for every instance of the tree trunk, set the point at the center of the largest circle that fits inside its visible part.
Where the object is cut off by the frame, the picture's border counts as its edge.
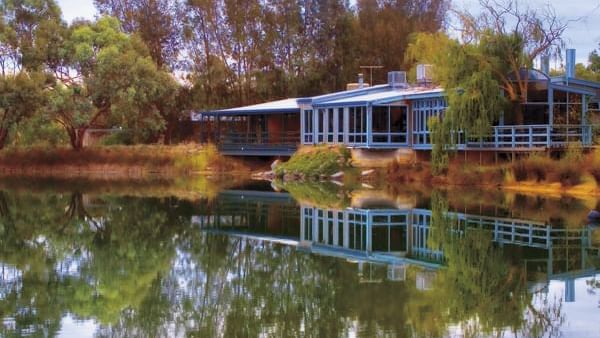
(168, 134)
(3, 137)
(76, 137)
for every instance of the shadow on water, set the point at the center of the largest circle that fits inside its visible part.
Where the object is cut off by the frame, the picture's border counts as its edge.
(243, 260)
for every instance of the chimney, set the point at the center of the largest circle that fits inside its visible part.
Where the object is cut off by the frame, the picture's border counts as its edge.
(424, 74)
(397, 79)
(570, 67)
(361, 81)
(545, 64)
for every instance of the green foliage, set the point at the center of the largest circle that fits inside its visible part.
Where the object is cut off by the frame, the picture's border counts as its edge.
(20, 97)
(121, 85)
(440, 142)
(317, 161)
(40, 130)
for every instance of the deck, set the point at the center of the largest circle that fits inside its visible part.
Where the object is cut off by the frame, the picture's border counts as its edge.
(520, 138)
(259, 144)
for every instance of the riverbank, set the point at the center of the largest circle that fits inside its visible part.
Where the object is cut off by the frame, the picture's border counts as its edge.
(117, 162)
(573, 173)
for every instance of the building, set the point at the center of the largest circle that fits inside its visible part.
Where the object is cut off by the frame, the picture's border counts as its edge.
(559, 111)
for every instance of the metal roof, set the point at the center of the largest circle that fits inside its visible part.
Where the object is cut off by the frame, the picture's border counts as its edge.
(273, 107)
(384, 97)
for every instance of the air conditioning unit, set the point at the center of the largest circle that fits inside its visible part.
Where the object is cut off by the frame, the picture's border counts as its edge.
(397, 79)
(424, 74)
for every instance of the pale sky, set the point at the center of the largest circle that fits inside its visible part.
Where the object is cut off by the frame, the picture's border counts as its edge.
(583, 35)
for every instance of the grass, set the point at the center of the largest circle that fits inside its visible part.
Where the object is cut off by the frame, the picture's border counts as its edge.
(181, 158)
(313, 162)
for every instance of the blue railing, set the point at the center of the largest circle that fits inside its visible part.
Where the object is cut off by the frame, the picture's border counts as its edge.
(535, 136)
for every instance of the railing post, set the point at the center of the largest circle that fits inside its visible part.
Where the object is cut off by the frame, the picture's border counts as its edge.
(548, 136)
(512, 140)
(495, 137)
(530, 137)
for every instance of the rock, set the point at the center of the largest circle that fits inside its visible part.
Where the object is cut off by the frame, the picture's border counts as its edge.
(269, 175)
(367, 172)
(275, 164)
(367, 186)
(264, 175)
(338, 175)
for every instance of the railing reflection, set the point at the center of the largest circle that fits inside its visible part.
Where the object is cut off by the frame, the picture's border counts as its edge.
(397, 238)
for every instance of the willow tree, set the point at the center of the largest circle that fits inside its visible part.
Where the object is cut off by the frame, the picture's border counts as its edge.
(485, 72)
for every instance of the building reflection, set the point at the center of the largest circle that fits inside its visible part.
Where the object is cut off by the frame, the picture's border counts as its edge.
(384, 242)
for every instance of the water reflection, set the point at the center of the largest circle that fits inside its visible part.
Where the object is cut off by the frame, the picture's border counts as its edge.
(246, 263)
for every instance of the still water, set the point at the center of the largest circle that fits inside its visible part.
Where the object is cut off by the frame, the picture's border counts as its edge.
(249, 260)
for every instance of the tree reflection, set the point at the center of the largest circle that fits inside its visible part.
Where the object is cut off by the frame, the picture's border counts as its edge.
(140, 267)
(483, 288)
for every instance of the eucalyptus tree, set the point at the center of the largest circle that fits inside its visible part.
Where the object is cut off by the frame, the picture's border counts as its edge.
(21, 96)
(384, 29)
(28, 32)
(157, 22)
(107, 78)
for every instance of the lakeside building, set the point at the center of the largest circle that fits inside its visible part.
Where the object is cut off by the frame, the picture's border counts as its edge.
(559, 111)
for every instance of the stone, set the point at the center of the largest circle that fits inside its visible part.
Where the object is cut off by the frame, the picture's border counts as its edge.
(275, 164)
(367, 172)
(338, 175)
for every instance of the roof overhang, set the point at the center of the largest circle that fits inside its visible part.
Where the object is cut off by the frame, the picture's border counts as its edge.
(287, 106)
(571, 89)
(580, 82)
(238, 112)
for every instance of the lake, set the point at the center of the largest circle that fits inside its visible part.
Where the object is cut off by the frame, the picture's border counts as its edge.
(252, 259)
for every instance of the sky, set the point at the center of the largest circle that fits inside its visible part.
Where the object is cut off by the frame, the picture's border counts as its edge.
(583, 34)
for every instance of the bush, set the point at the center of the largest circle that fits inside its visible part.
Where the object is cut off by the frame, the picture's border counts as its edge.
(316, 161)
(567, 173)
(535, 167)
(594, 165)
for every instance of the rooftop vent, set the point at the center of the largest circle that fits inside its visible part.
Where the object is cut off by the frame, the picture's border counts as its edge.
(424, 74)
(570, 67)
(397, 79)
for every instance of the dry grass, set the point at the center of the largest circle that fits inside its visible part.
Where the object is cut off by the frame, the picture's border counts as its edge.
(180, 159)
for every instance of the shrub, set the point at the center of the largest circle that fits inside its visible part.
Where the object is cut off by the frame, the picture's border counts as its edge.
(567, 173)
(520, 171)
(594, 165)
(535, 167)
(316, 161)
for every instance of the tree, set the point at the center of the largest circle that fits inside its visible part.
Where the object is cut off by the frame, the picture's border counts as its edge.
(28, 30)
(106, 78)
(513, 37)
(489, 68)
(592, 70)
(157, 22)
(385, 28)
(21, 96)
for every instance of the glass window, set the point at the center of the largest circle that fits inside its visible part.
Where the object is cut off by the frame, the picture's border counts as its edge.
(381, 119)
